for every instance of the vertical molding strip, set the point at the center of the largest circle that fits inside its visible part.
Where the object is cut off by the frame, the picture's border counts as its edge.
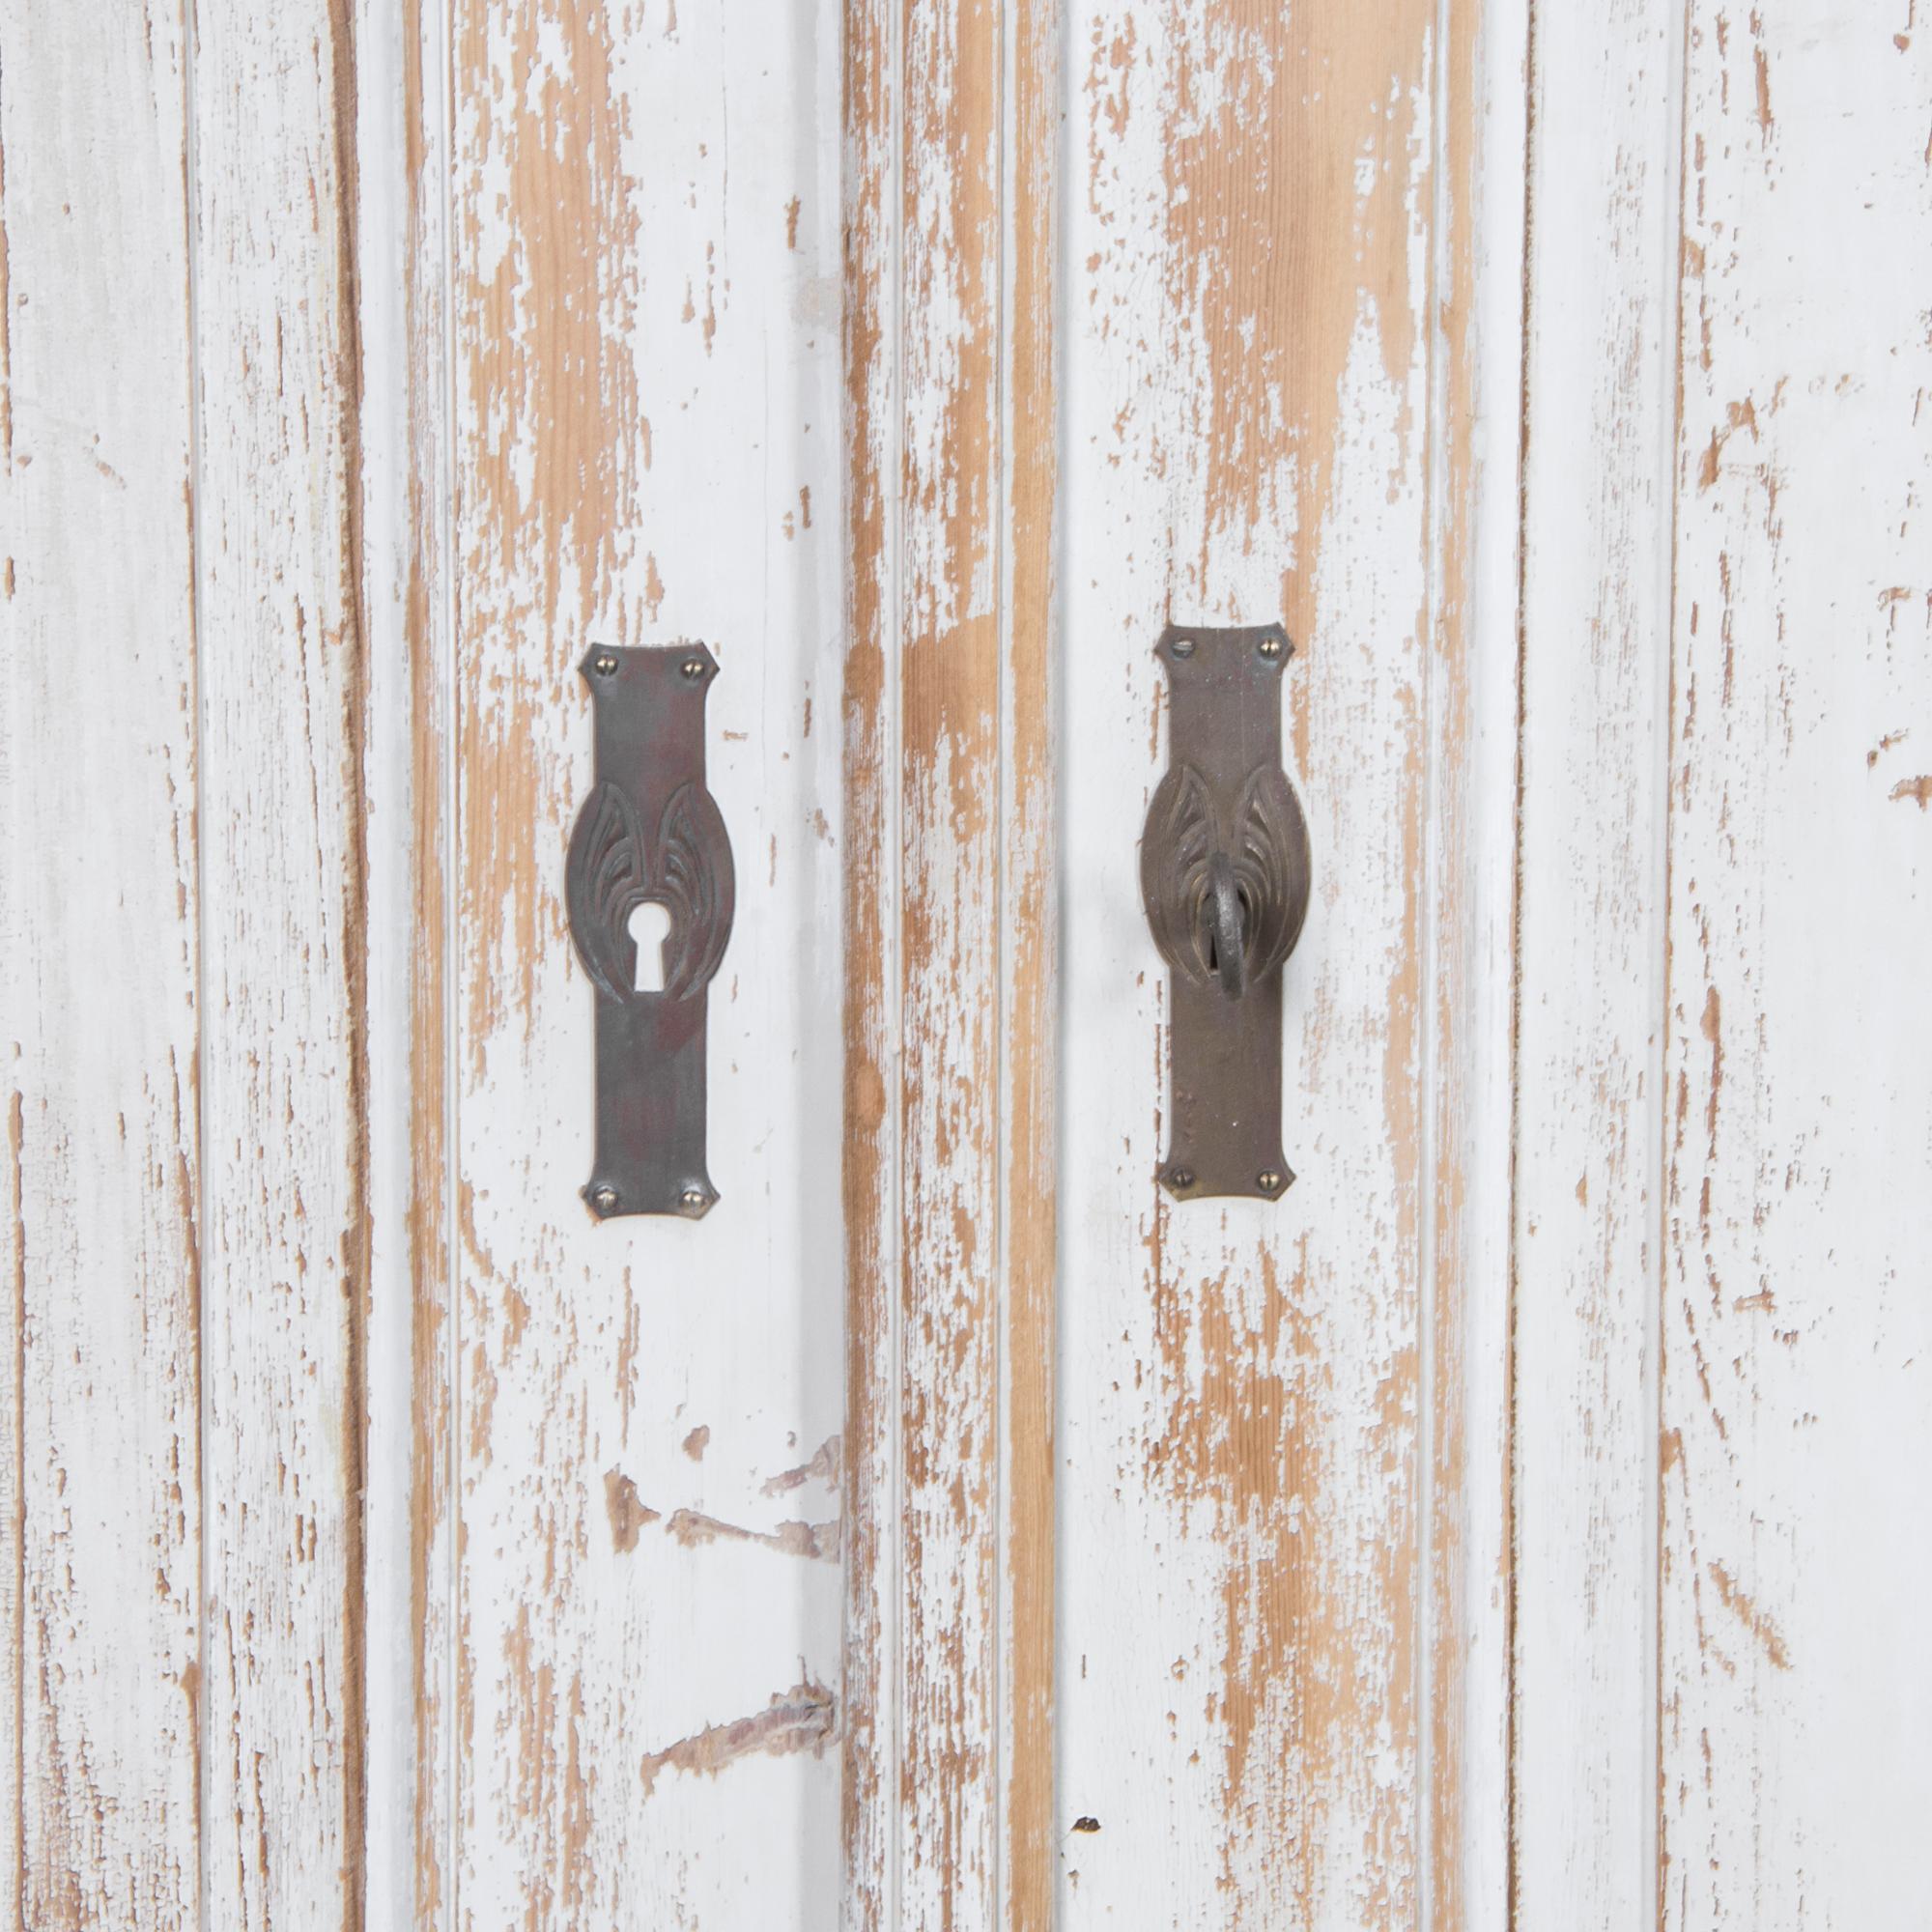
(869, 1696)
(1475, 403)
(1600, 268)
(284, 827)
(1028, 953)
(951, 130)
(407, 767)
(947, 632)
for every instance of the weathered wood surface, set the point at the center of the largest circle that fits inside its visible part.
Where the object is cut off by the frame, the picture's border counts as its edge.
(1601, 408)
(1266, 1668)
(1481, 109)
(102, 1678)
(402, 167)
(284, 1051)
(1722, 1078)
(1514, 1523)
(949, 1178)
(1794, 1686)
(644, 323)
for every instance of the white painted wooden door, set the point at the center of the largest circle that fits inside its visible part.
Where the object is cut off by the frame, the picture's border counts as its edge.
(1517, 1525)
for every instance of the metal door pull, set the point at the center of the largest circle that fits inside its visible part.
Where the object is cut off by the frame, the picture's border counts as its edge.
(1225, 882)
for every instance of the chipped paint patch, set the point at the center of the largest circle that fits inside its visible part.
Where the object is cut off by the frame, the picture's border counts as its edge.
(804, 1718)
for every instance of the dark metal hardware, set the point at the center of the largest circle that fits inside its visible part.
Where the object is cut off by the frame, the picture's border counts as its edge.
(649, 833)
(1225, 882)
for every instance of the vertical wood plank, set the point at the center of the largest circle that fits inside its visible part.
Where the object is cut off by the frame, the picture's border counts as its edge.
(951, 118)
(1480, 115)
(946, 628)
(100, 1392)
(429, 630)
(645, 317)
(285, 1058)
(1255, 429)
(1596, 589)
(1797, 1327)
(871, 326)
(1027, 945)
(402, 178)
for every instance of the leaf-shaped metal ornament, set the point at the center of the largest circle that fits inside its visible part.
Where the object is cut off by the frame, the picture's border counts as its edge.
(605, 880)
(1175, 851)
(1224, 884)
(648, 712)
(696, 881)
(1269, 848)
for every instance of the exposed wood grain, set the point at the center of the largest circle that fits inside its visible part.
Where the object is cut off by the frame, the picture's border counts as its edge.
(869, 1178)
(408, 774)
(285, 883)
(1797, 1327)
(1266, 373)
(1513, 1523)
(429, 584)
(951, 121)
(1595, 625)
(945, 627)
(645, 317)
(1028, 949)
(1469, 881)
(99, 1171)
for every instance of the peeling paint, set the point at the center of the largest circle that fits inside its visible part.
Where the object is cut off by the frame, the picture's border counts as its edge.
(804, 1718)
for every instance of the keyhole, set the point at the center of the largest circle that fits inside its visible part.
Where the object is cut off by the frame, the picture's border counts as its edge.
(650, 927)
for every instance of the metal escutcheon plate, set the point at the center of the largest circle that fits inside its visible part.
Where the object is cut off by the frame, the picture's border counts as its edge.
(651, 833)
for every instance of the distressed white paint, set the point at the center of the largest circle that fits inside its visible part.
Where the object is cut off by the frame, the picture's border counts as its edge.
(648, 450)
(1470, 888)
(418, 1702)
(281, 815)
(1599, 380)
(100, 1437)
(1796, 1688)
(1240, 1531)
(409, 1750)
(1722, 1130)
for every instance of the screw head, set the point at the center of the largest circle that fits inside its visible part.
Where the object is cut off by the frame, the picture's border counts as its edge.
(604, 662)
(695, 1201)
(692, 667)
(1268, 1181)
(604, 1200)
(1183, 647)
(1180, 1178)
(1270, 648)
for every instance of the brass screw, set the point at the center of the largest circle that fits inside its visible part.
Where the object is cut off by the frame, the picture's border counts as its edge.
(693, 666)
(1180, 1176)
(1183, 647)
(605, 1200)
(1271, 648)
(695, 1198)
(604, 663)
(1269, 1180)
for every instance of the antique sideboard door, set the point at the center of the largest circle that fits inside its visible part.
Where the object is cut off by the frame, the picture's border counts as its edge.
(963, 965)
